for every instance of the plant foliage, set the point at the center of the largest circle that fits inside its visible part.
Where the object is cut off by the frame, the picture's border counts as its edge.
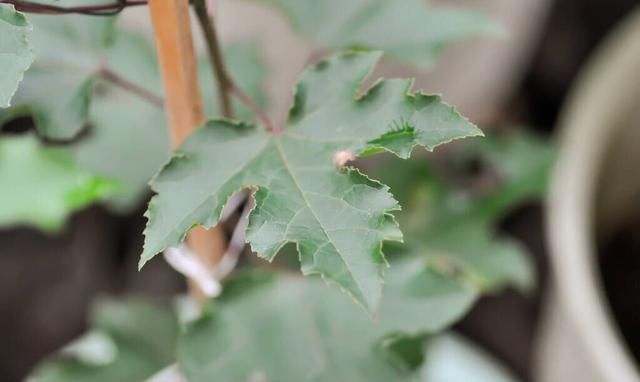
(97, 87)
(302, 195)
(42, 186)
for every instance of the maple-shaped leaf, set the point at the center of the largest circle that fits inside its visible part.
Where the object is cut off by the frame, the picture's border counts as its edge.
(290, 329)
(409, 30)
(337, 217)
(130, 340)
(16, 54)
(41, 186)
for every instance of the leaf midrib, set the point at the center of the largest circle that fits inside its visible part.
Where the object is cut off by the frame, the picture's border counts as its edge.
(285, 162)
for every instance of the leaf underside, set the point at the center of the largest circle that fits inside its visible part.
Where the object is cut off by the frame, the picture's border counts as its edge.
(16, 54)
(337, 217)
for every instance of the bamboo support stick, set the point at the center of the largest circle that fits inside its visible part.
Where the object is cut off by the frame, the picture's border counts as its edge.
(176, 55)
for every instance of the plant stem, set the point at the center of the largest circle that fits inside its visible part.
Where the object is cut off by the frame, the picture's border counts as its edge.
(225, 84)
(261, 115)
(107, 9)
(132, 88)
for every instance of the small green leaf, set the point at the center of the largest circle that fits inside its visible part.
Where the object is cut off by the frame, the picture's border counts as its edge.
(408, 30)
(522, 163)
(453, 226)
(291, 329)
(42, 186)
(338, 218)
(130, 341)
(471, 254)
(57, 89)
(16, 54)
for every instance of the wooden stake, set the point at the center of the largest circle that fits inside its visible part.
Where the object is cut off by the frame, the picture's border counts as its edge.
(176, 54)
(174, 42)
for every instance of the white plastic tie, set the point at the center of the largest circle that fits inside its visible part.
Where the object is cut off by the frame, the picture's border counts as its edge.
(186, 262)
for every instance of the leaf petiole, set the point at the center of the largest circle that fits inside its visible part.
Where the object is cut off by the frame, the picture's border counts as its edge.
(121, 82)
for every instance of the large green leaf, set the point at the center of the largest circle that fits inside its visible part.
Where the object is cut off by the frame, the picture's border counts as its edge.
(42, 186)
(57, 89)
(289, 329)
(454, 226)
(338, 217)
(408, 30)
(130, 341)
(16, 54)
(318, 336)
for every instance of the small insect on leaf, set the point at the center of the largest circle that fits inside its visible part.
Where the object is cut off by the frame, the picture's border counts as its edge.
(342, 157)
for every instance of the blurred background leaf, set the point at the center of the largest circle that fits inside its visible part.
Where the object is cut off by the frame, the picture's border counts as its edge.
(56, 91)
(130, 340)
(307, 331)
(408, 30)
(42, 186)
(452, 204)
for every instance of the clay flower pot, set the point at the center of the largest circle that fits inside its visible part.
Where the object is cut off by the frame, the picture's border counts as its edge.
(595, 191)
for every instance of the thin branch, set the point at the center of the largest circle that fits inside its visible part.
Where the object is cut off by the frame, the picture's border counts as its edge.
(225, 85)
(107, 9)
(257, 110)
(132, 88)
